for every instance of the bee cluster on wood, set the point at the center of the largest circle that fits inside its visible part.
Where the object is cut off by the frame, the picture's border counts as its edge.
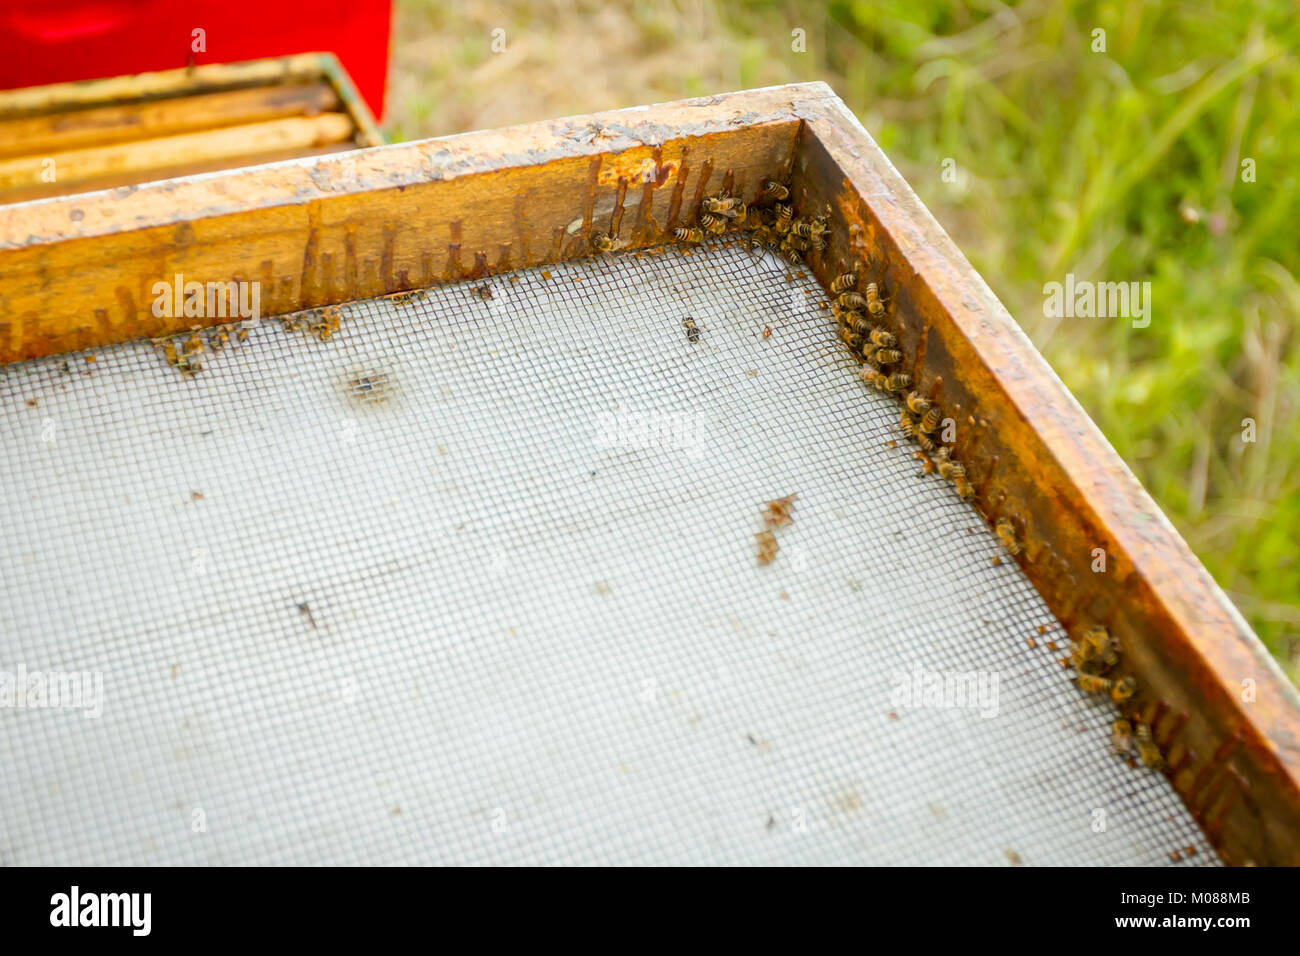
(1094, 655)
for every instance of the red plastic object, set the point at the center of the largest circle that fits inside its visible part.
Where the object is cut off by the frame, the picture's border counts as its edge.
(50, 41)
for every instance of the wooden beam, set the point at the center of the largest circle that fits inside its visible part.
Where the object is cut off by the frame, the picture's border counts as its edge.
(44, 134)
(78, 271)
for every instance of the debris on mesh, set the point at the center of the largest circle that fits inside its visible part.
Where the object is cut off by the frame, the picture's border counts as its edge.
(767, 547)
(777, 513)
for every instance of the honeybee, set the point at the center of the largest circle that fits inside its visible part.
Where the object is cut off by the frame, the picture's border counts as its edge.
(712, 223)
(1007, 535)
(882, 338)
(722, 204)
(767, 547)
(874, 303)
(861, 324)
(845, 282)
(851, 300)
(889, 357)
(774, 190)
(777, 513)
(916, 403)
(792, 255)
(795, 242)
(949, 469)
(1094, 684)
(965, 490)
(602, 243)
(1121, 737)
(692, 330)
(807, 230)
(1124, 689)
(898, 382)
(1101, 645)
(908, 424)
(846, 314)
(784, 217)
(682, 234)
(873, 377)
(850, 338)
(761, 237)
(931, 421)
(1147, 748)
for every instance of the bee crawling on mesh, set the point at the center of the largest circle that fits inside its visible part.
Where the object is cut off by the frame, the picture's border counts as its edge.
(1006, 532)
(715, 225)
(873, 377)
(693, 235)
(898, 382)
(760, 238)
(948, 469)
(911, 429)
(1120, 691)
(1121, 737)
(602, 242)
(931, 420)
(1147, 749)
(692, 330)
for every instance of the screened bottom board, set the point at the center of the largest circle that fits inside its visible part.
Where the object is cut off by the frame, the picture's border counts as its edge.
(406, 596)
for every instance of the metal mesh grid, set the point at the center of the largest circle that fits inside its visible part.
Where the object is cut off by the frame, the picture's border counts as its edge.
(403, 596)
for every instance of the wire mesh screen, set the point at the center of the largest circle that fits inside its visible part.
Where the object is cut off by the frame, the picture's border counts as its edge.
(476, 580)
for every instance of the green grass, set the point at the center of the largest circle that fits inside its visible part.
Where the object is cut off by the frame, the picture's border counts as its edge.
(1116, 166)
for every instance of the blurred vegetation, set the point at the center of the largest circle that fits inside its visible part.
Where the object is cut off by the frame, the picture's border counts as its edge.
(1117, 166)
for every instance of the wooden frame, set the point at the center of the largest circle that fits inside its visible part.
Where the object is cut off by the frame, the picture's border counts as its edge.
(76, 272)
(123, 130)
